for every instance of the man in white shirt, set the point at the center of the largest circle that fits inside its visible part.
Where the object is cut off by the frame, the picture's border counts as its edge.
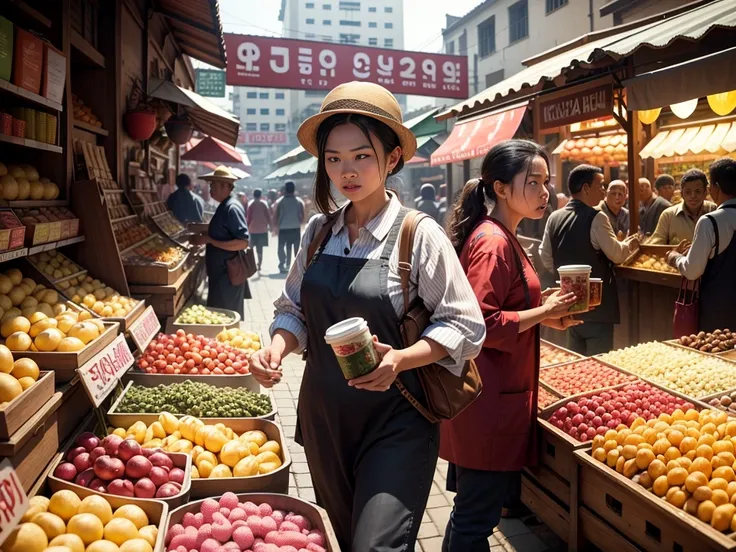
(613, 207)
(580, 234)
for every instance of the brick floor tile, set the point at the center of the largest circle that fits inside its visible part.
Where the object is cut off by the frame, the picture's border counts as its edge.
(428, 530)
(525, 543)
(432, 545)
(437, 501)
(440, 516)
(511, 528)
(299, 467)
(435, 490)
(303, 480)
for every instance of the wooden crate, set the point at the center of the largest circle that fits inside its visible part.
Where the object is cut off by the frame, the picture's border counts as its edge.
(595, 531)
(545, 507)
(316, 515)
(17, 412)
(207, 330)
(32, 447)
(120, 419)
(647, 275)
(75, 406)
(152, 380)
(575, 356)
(649, 522)
(561, 393)
(154, 275)
(169, 300)
(552, 483)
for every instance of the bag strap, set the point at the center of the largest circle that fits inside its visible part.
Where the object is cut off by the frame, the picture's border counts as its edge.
(406, 245)
(321, 237)
(715, 231)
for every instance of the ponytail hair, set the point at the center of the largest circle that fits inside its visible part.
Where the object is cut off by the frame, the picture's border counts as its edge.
(502, 162)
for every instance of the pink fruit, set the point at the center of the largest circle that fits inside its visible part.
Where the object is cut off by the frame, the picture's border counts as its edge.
(287, 538)
(187, 540)
(175, 530)
(222, 529)
(98, 485)
(229, 500)
(111, 444)
(85, 478)
(232, 546)
(198, 520)
(96, 453)
(167, 490)
(316, 537)
(265, 509)
(251, 509)
(87, 440)
(128, 449)
(162, 460)
(239, 523)
(203, 533)
(278, 516)
(108, 468)
(243, 536)
(144, 488)
(315, 547)
(300, 521)
(289, 526)
(158, 475)
(188, 520)
(82, 462)
(176, 475)
(66, 471)
(121, 487)
(210, 545)
(236, 514)
(137, 466)
(73, 453)
(209, 507)
(225, 512)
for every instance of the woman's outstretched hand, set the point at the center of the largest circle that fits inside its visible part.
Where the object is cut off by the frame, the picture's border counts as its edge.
(265, 365)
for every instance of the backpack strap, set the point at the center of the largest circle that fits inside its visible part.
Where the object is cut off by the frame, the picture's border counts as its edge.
(321, 237)
(715, 231)
(406, 245)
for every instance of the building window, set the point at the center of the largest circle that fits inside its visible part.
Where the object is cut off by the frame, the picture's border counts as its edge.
(450, 47)
(251, 95)
(388, 42)
(372, 42)
(265, 127)
(327, 22)
(251, 126)
(371, 10)
(309, 5)
(553, 5)
(388, 25)
(327, 6)
(349, 38)
(309, 35)
(494, 78)
(518, 21)
(280, 95)
(327, 39)
(281, 112)
(263, 95)
(346, 23)
(251, 111)
(280, 127)
(265, 111)
(350, 6)
(372, 25)
(314, 93)
(310, 21)
(462, 44)
(388, 9)
(487, 37)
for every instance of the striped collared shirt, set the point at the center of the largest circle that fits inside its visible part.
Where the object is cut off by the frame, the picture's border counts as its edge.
(437, 277)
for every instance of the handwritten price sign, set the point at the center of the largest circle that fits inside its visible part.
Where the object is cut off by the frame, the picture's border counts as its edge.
(145, 328)
(100, 374)
(13, 500)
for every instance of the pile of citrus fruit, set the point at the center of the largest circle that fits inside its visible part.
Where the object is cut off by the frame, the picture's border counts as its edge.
(81, 525)
(15, 375)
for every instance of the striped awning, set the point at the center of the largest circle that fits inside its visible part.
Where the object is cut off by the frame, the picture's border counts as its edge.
(303, 167)
(716, 138)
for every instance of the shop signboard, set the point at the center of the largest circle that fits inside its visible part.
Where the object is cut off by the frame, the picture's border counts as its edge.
(13, 499)
(145, 328)
(582, 105)
(262, 138)
(210, 83)
(101, 373)
(307, 65)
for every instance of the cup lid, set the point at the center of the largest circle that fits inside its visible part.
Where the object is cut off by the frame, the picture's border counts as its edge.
(597, 280)
(345, 329)
(575, 268)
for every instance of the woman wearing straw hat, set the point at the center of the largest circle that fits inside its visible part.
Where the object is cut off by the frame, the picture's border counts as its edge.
(371, 454)
(226, 235)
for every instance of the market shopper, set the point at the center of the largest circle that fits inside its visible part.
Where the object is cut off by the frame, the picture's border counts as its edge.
(651, 207)
(494, 438)
(580, 234)
(288, 213)
(677, 223)
(665, 186)
(184, 203)
(427, 201)
(371, 454)
(258, 217)
(712, 256)
(613, 207)
(226, 237)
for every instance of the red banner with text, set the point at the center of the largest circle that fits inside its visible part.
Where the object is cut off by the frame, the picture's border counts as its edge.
(307, 65)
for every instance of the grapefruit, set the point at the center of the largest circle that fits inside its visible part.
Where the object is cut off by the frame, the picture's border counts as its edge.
(27, 537)
(48, 340)
(64, 504)
(25, 383)
(136, 545)
(133, 513)
(51, 524)
(25, 367)
(103, 546)
(15, 275)
(98, 506)
(120, 530)
(15, 324)
(70, 345)
(9, 387)
(88, 527)
(72, 542)
(6, 360)
(18, 341)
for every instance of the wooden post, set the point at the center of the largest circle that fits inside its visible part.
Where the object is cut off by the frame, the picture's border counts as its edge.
(466, 171)
(66, 118)
(634, 137)
(450, 199)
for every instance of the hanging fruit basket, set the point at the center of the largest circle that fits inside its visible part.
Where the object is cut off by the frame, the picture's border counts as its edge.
(140, 119)
(179, 129)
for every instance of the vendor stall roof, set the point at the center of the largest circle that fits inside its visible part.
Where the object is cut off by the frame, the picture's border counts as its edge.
(213, 150)
(303, 167)
(205, 115)
(716, 138)
(690, 25)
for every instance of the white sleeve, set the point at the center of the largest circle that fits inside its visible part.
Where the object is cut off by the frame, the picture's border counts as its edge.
(603, 239)
(545, 250)
(692, 266)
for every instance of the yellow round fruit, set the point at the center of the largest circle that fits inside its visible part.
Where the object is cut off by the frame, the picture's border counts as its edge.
(29, 303)
(57, 549)
(25, 367)
(27, 537)
(26, 383)
(9, 387)
(70, 345)
(136, 545)
(84, 331)
(5, 284)
(41, 501)
(46, 309)
(37, 317)
(19, 341)
(15, 324)
(49, 340)
(64, 504)
(98, 506)
(17, 294)
(119, 530)
(15, 275)
(84, 315)
(5, 302)
(87, 526)
(42, 325)
(51, 524)
(149, 533)
(133, 513)
(72, 542)
(103, 546)
(65, 323)
(6, 360)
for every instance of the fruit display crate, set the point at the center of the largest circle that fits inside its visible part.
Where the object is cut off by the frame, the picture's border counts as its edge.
(546, 370)
(316, 515)
(154, 274)
(626, 270)
(556, 349)
(592, 530)
(125, 419)
(275, 482)
(65, 365)
(649, 522)
(17, 412)
(720, 354)
(546, 506)
(207, 330)
(140, 377)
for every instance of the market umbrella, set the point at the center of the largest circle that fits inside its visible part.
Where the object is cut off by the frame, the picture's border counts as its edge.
(214, 150)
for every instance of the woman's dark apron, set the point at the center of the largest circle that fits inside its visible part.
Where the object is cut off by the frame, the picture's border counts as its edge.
(371, 454)
(717, 289)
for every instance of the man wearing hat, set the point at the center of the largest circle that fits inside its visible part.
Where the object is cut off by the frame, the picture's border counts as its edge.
(186, 205)
(226, 239)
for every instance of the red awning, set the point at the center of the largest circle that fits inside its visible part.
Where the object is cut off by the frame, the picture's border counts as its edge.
(416, 159)
(212, 149)
(475, 137)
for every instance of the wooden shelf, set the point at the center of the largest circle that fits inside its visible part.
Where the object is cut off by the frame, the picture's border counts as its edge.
(28, 251)
(90, 128)
(28, 95)
(32, 203)
(35, 144)
(81, 44)
(32, 12)
(121, 219)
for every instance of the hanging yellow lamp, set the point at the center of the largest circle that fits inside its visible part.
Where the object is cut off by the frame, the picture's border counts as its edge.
(648, 116)
(724, 103)
(684, 109)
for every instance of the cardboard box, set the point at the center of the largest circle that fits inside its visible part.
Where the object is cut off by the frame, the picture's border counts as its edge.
(6, 48)
(27, 61)
(54, 73)
(12, 232)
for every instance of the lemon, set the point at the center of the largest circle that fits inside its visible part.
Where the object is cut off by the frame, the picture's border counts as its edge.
(149, 533)
(119, 530)
(136, 545)
(87, 526)
(98, 506)
(64, 504)
(6, 360)
(41, 501)
(18, 341)
(70, 345)
(51, 524)
(84, 331)
(25, 367)
(72, 542)
(49, 340)
(9, 387)
(42, 325)
(27, 537)
(15, 324)
(133, 513)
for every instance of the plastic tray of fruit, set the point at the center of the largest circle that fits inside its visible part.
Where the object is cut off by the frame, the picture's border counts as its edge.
(685, 371)
(274, 518)
(89, 519)
(206, 321)
(719, 341)
(581, 376)
(213, 402)
(551, 354)
(117, 465)
(239, 454)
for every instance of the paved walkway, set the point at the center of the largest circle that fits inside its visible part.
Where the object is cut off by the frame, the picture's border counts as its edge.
(511, 535)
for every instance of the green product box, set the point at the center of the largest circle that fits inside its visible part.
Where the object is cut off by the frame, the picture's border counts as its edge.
(6, 48)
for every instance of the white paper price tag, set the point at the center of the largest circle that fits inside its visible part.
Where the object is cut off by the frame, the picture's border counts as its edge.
(100, 373)
(145, 328)
(13, 500)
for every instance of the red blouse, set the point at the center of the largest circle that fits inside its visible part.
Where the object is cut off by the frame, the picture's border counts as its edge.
(497, 432)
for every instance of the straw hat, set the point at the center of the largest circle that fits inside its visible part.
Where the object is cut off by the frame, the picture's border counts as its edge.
(363, 98)
(220, 173)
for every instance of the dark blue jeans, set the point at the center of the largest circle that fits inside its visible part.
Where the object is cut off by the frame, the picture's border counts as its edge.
(477, 510)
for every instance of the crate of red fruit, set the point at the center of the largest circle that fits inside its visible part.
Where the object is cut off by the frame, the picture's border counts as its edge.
(551, 354)
(254, 521)
(581, 376)
(571, 426)
(545, 398)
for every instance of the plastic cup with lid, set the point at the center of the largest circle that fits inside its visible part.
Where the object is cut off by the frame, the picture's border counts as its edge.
(576, 279)
(596, 291)
(352, 343)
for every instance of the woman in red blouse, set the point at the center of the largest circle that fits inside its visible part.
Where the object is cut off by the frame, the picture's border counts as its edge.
(490, 441)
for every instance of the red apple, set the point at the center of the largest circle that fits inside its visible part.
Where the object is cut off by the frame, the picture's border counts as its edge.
(128, 449)
(66, 471)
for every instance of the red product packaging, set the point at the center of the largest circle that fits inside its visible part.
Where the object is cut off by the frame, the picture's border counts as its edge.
(27, 61)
